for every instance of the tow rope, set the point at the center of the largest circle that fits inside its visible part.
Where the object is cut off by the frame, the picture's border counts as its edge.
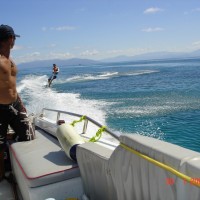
(98, 134)
(194, 181)
(80, 120)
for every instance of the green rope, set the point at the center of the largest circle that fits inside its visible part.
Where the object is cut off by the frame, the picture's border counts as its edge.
(98, 134)
(80, 120)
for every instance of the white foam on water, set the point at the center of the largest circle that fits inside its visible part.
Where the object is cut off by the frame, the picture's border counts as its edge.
(139, 72)
(87, 77)
(101, 76)
(37, 95)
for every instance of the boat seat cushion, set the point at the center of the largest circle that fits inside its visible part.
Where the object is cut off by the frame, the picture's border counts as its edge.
(42, 161)
(137, 178)
(93, 162)
(165, 152)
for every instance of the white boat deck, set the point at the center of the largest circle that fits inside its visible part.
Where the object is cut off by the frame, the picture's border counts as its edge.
(136, 167)
(6, 191)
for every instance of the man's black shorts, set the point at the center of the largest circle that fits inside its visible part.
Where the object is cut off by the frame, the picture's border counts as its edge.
(14, 115)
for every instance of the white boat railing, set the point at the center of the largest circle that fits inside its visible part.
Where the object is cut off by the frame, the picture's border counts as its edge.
(86, 120)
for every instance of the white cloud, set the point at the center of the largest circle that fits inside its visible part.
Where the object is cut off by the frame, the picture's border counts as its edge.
(40, 56)
(152, 10)
(28, 57)
(63, 28)
(137, 51)
(152, 29)
(61, 55)
(59, 28)
(114, 51)
(18, 47)
(197, 43)
(35, 54)
(89, 53)
(128, 52)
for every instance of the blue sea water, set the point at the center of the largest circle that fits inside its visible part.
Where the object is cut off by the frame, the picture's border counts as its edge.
(160, 99)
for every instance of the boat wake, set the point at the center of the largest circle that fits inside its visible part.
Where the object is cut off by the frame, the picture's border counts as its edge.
(103, 75)
(36, 95)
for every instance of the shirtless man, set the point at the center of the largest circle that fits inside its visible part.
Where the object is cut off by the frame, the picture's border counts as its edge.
(12, 111)
(55, 72)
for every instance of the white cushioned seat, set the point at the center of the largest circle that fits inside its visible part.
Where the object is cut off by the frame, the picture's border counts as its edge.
(42, 161)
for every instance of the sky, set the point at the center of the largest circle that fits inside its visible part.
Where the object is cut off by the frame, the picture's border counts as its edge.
(99, 29)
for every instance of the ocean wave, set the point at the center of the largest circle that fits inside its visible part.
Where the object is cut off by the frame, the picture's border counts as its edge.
(139, 72)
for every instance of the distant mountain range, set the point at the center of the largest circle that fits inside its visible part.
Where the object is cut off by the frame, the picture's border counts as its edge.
(146, 56)
(155, 56)
(67, 62)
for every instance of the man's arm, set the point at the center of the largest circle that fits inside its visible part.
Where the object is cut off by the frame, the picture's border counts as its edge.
(20, 100)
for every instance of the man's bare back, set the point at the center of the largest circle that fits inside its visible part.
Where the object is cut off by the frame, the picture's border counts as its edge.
(8, 72)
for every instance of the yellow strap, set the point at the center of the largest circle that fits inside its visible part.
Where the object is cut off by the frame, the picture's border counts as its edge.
(80, 120)
(71, 198)
(98, 134)
(194, 181)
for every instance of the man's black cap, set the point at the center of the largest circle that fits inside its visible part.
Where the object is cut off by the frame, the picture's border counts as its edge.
(6, 31)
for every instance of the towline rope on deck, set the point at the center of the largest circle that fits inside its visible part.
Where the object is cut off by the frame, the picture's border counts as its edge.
(193, 181)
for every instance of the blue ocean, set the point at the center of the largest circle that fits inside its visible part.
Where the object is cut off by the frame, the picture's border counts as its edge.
(159, 98)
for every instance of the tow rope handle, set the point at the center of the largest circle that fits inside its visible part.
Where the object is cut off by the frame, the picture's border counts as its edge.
(98, 134)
